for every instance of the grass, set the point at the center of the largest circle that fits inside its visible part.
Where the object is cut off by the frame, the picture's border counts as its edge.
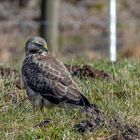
(119, 96)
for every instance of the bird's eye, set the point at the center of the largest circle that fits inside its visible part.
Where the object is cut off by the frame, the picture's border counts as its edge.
(37, 44)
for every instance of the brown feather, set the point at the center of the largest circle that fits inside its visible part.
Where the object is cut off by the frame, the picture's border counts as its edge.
(54, 69)
(47, 78)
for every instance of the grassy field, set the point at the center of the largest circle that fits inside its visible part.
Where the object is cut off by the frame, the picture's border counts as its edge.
(116, 97)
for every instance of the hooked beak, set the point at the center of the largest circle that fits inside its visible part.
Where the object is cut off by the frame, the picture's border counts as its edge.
(45, 48)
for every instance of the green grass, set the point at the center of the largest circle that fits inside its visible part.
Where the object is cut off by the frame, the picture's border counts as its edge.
(119, 96)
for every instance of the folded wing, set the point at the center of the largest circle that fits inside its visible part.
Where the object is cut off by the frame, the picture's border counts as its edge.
(48, 76)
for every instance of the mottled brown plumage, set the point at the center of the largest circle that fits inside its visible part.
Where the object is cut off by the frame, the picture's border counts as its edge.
(47, 80)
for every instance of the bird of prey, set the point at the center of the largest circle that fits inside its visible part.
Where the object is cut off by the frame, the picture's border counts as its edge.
(47, 81)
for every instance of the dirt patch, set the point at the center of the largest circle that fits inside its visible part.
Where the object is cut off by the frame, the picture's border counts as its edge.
(87, 71)
(8, 72)
(96, 119)
(13, 74)
(126, 131)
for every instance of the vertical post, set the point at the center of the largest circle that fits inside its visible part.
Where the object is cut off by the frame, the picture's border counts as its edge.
(49, 27)
(113, 40)
(44, 20)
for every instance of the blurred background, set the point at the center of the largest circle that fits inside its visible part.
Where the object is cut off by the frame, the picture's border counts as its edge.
(75, 28)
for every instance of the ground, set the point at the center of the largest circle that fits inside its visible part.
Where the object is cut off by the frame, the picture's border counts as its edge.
(117, 97)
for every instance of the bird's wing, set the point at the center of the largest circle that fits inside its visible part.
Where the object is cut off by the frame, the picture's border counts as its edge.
(48, 76)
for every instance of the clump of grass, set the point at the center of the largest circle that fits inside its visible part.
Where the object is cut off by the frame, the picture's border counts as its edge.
(119, 96)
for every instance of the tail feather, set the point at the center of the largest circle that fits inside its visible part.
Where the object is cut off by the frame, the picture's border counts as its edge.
(84, 101)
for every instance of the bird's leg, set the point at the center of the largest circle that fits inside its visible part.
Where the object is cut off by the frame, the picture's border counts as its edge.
(34, 109)
(45, 121)
(42, 108)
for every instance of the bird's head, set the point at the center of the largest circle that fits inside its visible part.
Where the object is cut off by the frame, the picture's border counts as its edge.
(36, 45)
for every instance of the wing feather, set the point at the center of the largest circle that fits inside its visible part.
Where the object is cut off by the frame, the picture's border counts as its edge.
(49, 76)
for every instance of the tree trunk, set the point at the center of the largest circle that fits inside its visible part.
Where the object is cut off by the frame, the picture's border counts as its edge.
(49, 26)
